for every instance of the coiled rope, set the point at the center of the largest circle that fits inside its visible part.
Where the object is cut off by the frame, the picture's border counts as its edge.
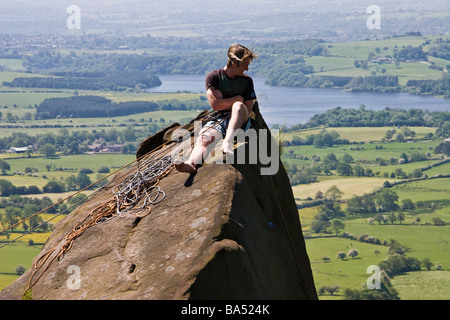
(142, 186)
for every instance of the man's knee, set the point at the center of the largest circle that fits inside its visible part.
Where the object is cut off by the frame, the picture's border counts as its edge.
(240, 109)
(206, 138)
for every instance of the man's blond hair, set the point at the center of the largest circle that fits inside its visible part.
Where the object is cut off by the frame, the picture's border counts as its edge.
(238, 53)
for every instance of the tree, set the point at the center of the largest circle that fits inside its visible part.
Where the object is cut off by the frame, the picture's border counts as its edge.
(11, 216)
(20, 270)
(320, 223)
(54, 187)
(438, 221)
(443, 147)
(331, 289)
(344, 169)
(28, 211)
(7, 188)
(337, 225)
(392, 217)
(71, 182)
(347, 158)
(353, 253)
(48, 150)
(333, 193)
(319, 195)
(427, 263)
(359, 171)
(4, 166)
(83, 180)
(401, 217)
(386, 200)
(341, 255)
(389, 134)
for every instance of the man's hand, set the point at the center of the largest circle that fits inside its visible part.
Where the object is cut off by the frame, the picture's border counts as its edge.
(219, 103)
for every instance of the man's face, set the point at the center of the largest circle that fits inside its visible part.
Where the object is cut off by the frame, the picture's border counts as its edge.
(243, 67)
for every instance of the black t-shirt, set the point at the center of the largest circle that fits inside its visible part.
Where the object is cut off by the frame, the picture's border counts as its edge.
(243, 85)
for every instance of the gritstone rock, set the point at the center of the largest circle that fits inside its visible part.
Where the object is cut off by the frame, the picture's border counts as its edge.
(227, 232)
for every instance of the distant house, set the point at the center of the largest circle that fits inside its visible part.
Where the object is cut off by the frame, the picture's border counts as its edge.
(381, 60)
(95, 147)
(18, 150)
(113, 148)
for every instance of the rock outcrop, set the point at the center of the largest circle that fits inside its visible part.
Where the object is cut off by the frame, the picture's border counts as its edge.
(226, 232)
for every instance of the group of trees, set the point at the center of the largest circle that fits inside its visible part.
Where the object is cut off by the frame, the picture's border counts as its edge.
(376, 83)
(78, 142)
(96, 106)
(441, 50)
(410, 53)
(362, 117)
(90, 107)
(324, 138)
(345, 166)
(114, 81)
(70, 183)
(17, 208)
(383, 204)
(430, 87)
(383, 201)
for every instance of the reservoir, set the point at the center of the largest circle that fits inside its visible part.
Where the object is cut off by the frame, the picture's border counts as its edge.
(289, 106)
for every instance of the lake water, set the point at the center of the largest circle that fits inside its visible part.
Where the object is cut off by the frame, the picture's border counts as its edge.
(285, 105)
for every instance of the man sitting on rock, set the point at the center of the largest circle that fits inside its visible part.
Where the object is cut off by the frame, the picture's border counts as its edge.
(231, 93)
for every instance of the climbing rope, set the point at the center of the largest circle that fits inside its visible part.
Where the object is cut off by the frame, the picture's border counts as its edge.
(141, 187)
(143, 184)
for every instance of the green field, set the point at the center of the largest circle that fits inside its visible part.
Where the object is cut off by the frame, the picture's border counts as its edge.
(422, 240)
(341, 57)
(11, 257)
(416, 285)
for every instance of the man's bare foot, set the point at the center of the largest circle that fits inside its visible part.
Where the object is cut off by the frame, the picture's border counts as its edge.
(185, 167)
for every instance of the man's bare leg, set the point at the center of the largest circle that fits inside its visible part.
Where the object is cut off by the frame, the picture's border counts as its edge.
(239, 115)
(198, 152)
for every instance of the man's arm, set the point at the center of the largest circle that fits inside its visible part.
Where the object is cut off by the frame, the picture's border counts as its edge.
(219, 103)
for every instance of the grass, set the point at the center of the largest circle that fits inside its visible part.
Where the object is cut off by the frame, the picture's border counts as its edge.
(358, 134)
(94, 162)
(12, 64)
(416, 285)
(426, 190)
(70, 164)
(347, 273)
(423, 241)
(350, 187)
(11, 257)
(342, 55)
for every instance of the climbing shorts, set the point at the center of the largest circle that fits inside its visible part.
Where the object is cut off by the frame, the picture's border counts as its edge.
(221, 123)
